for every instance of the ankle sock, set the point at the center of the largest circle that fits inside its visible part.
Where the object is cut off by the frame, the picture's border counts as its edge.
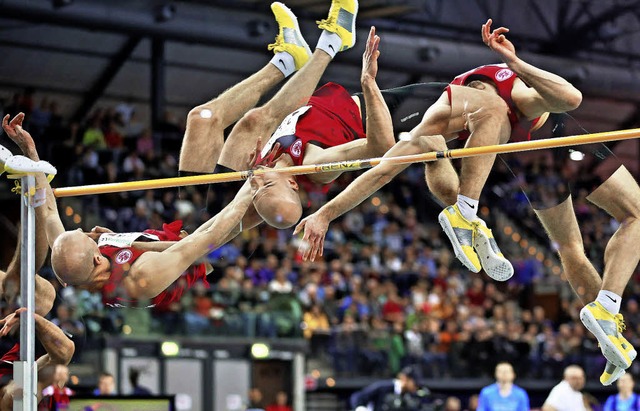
(610, 301)
(468, 207)
(329, 42)
(284, 62)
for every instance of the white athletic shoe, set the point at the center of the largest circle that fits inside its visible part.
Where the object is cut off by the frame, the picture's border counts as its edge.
(21, 165)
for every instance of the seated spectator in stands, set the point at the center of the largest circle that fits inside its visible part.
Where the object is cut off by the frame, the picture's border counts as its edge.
(452, 404)
(106, 385)
(315, 322)
(57, 393)
(137, 389)
(93, 136)
(567, 395)
(255, 400)
(197, 319)
(66, 320)
(144, 144)
(472, 405)
(281, 403)
(112, 136)
(349, 337)
(504, 395)
(401, 392)
(280, 284)
(625, 399)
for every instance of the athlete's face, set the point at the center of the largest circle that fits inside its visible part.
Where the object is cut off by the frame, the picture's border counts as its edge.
(277, 200)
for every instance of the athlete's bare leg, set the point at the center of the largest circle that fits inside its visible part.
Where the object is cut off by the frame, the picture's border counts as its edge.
(619, 195)
(562, 227)
(262, 121)
(486, 118)
(483, 113)
(204, 137)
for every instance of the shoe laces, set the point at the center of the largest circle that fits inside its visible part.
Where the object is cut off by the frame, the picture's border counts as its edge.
(474, 235)
(17, 189)
(279, 43)
(324, 22)
(619, 319)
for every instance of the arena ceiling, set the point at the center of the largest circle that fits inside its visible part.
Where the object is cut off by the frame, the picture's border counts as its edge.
(83, 51)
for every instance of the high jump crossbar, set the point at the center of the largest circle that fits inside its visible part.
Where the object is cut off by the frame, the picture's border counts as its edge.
(350, 165)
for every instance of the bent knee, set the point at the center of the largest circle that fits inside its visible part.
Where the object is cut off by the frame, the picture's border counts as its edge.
(256, 119)
(432, 143)
(204, 116)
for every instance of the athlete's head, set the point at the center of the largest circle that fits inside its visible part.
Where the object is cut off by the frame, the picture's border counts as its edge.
(277, 200)
(505, 373)
(76, 260)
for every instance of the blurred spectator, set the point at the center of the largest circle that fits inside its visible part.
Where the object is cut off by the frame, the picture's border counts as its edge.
(315, 322)
(57, 394)
(504, 395)
(452, 404)
(567, 395)
(197, 318)
(280, 284)
(93, 136)
(65, 319)
(625, 399)
(473, 403)
(106, 385)
(281, 403)
(134, 380)
(255, 400)
(401, 392)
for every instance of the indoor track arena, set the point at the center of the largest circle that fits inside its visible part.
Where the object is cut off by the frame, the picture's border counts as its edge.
(319, 205)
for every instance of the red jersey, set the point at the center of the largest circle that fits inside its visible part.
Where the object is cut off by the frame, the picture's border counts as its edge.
(122, 258)
(6, 362)
(503, 78)
(58, 397)
(331, 118)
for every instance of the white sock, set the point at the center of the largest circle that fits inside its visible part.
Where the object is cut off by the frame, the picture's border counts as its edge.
(284, 62)
(468, 207)
(329, 42)
(610, 301)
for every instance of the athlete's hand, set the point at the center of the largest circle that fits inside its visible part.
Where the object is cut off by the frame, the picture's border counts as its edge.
(97, 231)
(498, 42)
(19, 136)
(315, 229)
(256, 159)
(10, 321)
(370, 57)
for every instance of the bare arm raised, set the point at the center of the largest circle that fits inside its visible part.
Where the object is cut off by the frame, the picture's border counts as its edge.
(549, 91)
(153, 272)
(47, 214)
(379, 130)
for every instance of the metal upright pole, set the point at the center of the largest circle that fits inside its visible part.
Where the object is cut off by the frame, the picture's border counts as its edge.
(25, 371)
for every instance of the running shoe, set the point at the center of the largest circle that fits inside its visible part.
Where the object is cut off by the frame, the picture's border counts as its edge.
(607, 329)
(289, 38)
(491, 258)
(461, 233)
(342, 21)
(611, 373)
(5, 154)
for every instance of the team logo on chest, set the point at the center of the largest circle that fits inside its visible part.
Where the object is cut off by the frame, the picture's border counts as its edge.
(296, 148)
(123, 256)
(504, 74)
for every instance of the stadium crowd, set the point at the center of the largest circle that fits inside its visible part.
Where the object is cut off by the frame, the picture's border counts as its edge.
(388, 292)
